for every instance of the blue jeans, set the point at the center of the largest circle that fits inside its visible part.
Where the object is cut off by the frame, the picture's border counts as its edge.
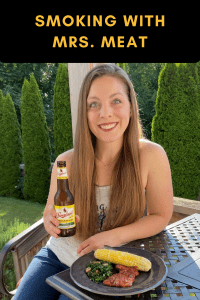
(33, 285)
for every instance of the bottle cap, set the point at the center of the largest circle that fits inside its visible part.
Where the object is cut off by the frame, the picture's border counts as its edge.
(61, 163)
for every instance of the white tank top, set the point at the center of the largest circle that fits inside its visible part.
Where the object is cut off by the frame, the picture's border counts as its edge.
(65, 248)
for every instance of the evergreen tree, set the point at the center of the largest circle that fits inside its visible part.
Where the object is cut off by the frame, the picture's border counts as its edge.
(176, 127)
(11, 81)
(1, 104)
(198, 69)
(35, 143)
(10, 148)
(190, 164)
(145, 81)
(192, 70)
(63, 140)
(124, 66)
(165, 123)
(165, 104)
(2, 147)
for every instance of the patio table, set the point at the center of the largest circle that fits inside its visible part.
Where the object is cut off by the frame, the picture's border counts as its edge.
(179, 247)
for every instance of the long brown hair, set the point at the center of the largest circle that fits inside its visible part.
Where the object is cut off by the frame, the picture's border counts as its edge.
(127, 201)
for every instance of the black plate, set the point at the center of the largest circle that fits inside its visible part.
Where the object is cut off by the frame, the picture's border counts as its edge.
(144, 282)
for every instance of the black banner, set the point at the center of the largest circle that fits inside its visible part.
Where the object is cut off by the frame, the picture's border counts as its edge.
(69, 37)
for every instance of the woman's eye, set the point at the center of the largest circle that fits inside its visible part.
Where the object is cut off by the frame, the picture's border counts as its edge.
(116, 101)
(92, 105)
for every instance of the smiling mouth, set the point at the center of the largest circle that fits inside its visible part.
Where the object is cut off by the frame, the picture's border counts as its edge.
(108, 126)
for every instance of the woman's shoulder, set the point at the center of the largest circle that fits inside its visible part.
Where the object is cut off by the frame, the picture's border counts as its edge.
(152, 153)
(66, 156)
(148, 146)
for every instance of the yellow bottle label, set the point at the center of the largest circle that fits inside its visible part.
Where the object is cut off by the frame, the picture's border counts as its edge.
(62, 173)
(66, 216)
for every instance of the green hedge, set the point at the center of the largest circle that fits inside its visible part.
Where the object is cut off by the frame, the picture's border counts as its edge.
(35, 143)
(63, 140)
(176, 126)
(10, 148)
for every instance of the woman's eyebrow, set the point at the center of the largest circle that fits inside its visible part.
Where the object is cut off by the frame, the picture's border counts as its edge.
(93, 97)
(96, 98)
(118, 93)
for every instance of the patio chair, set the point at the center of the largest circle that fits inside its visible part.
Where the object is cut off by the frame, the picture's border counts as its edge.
(23, 247)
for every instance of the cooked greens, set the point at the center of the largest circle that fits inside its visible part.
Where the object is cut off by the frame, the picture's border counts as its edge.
(98, 271)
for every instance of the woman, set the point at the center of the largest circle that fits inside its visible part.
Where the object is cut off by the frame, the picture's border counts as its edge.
(114, 174)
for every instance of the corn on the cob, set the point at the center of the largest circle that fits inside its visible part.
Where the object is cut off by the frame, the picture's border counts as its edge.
(123, 258)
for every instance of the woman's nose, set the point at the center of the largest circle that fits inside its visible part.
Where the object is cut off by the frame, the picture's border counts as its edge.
(106, 111)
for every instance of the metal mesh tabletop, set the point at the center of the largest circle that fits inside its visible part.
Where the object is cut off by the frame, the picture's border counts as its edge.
(179, 246)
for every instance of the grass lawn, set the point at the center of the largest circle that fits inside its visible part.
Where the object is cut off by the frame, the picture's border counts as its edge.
(15, 216)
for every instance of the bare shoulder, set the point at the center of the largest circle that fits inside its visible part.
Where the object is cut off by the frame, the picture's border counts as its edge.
(149, 149)
(153, 156)
(147, 145)
(155, 161)
(66, 156)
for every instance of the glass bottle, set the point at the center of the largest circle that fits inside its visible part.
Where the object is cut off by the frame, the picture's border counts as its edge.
(64, 203)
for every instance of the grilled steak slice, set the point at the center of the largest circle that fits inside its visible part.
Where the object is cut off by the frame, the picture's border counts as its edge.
(128, 274)
(129, 269)
(124, 278)
(119, 280)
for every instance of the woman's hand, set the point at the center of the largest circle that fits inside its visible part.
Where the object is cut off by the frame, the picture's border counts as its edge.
(51, 223)
(97, 241)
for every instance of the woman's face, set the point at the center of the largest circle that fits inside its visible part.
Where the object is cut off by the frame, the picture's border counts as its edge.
(108, 109)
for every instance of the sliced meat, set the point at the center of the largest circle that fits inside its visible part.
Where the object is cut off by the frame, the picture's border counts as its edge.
(121, 267)
(130, 269)
(119, 280)
(128, 273)
(124, 278)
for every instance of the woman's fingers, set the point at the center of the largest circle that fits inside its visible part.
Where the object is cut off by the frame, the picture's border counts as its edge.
(55, 231)
(52, 223)
(77, 219)
(52, 210)
(53, 220)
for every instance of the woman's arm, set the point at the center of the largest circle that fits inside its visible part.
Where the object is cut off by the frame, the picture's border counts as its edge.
(159, 199)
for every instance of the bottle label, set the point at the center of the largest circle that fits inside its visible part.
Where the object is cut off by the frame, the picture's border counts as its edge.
(62, 173)
(66, 216)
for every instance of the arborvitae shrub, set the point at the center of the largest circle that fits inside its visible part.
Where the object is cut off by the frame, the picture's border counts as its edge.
(176, 126)
(35, 143)
(10, 148)
(63, 140)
